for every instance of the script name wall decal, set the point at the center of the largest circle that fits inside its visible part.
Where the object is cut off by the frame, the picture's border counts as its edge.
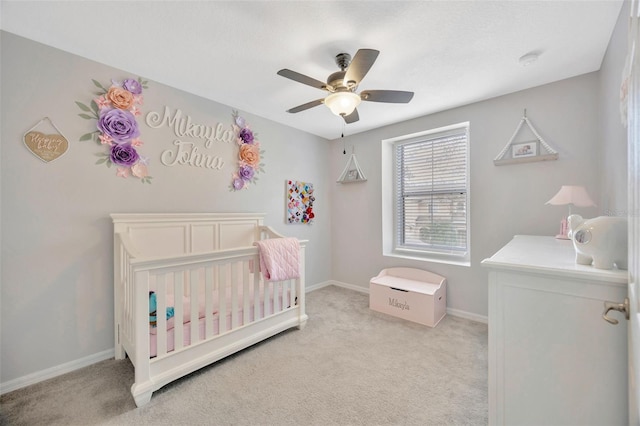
(185, 152)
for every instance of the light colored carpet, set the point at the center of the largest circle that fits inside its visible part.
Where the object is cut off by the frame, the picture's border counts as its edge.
(349, 366)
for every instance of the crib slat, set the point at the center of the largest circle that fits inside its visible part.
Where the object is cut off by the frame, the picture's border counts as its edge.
(208, 279)
(292, 294)
(222, 299)
(195, 333)
(246, 293)
(266, 298)
(285, 295)
(161, 316)
(178, 291)
(276, 297)
(234, 295)
(256, 291)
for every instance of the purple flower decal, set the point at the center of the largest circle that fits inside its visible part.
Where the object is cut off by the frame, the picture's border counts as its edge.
(238, 184)
(249, 154)
(124, 154)
(132, 86)
(119, 124)
(115, 110)
(246, 173)
(246, 135)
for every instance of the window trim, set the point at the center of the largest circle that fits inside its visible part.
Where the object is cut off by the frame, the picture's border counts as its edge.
(389, 196)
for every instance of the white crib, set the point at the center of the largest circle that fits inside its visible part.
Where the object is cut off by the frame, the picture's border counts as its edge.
(206, 263)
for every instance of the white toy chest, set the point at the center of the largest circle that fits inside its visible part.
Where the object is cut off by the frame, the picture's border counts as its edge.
(411, 294)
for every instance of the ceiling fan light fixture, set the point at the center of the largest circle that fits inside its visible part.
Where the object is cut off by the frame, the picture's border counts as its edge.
(342, 103)
(342, 85)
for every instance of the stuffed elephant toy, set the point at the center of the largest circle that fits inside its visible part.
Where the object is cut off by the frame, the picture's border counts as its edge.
(601, 240)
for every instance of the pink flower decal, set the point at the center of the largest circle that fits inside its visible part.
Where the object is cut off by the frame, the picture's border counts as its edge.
(122, 172)
(105, 139)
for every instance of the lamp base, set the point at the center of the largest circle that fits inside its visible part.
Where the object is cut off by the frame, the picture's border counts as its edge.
(564, 230)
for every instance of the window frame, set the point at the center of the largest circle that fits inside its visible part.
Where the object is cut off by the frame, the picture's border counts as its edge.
(390, 216)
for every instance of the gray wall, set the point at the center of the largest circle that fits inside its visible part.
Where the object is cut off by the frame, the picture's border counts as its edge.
(505, 200)
(57, 279)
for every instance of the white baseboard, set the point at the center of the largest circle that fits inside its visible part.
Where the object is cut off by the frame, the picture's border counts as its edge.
(349, 286)
(450, 311)
(68, 367)
(52, 372)
(468, 315)
(317, 286)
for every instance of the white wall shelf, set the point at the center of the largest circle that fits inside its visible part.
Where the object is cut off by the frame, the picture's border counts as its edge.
(352, 172)
(525, 152)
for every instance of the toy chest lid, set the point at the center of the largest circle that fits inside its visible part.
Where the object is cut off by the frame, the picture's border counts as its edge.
(407, 284)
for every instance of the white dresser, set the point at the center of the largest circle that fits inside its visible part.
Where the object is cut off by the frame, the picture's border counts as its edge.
(553, 360)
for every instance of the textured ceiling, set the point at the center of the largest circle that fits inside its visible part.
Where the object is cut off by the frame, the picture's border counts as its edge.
(449, 53)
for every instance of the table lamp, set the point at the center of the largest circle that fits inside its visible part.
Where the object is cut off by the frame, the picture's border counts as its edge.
(570, 195)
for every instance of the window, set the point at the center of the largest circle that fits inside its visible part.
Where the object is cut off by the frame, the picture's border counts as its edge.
(430, 191)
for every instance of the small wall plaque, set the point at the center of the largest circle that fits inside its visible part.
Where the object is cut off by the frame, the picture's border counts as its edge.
(46, 146)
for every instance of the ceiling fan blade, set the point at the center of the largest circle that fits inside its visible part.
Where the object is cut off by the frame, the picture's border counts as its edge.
(390, 96)
(360, 65)
(306, 106)
(301, 78)
(351, 118)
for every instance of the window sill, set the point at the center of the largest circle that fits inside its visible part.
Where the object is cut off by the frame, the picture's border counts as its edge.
(448, 260)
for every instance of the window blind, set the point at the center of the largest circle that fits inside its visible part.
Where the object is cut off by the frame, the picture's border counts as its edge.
(431, 193)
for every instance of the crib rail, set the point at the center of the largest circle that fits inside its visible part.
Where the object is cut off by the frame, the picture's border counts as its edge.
(211, 294)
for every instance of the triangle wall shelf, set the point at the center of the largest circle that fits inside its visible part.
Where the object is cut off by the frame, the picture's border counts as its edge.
(352, 172)
(525, 152)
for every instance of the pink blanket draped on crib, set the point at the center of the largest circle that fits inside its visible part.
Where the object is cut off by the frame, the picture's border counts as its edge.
(279, 258)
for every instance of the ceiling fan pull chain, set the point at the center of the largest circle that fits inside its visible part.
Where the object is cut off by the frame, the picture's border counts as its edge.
(344, 148)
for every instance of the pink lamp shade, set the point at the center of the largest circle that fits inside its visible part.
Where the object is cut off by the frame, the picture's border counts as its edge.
(571, 195)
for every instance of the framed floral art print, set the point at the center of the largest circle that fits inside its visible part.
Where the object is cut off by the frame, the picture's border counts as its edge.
(300, 201)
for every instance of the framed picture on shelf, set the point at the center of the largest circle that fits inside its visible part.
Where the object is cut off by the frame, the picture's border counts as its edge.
(525, 149)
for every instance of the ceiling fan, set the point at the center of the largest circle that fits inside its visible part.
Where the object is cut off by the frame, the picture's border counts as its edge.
(342, 98)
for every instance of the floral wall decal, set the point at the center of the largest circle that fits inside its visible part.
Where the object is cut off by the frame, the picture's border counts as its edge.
(115, 110)
(249, 154)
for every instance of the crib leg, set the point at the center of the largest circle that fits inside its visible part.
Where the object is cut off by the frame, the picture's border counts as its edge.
(120, 352)
(302, 324)
(141, 399)
(119, 349)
